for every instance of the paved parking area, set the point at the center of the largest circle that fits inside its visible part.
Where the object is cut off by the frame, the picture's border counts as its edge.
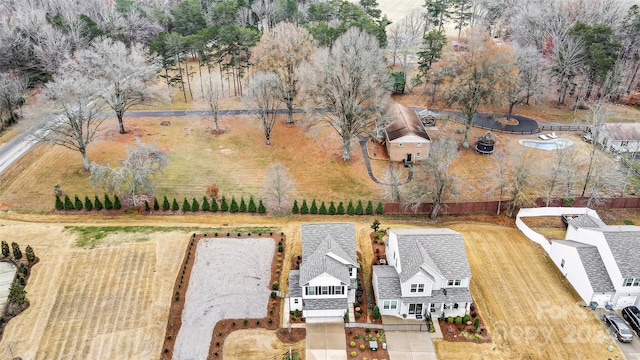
(630, 350)
(325, 341)
(410, 345)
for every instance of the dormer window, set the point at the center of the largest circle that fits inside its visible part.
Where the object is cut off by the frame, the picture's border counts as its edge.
(417, 288)
(631, 282)
(454, 282)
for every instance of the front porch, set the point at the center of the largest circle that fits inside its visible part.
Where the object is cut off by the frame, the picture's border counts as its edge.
(420, 311)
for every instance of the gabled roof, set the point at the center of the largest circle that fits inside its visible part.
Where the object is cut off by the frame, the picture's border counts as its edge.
(624, 242)
(388, 282)
(442, 250)
(586, 221)
(622, 131)
(593, 265)
(294, 279)
(405, 122)
(328, 248)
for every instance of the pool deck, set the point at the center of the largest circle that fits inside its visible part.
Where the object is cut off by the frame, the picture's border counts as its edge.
(546, 144)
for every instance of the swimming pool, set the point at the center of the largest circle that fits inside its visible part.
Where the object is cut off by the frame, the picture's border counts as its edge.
(555, 144)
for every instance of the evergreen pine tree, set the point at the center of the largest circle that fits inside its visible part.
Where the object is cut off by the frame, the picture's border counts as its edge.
(31, 256)
(68, 205)
(205, 204)
(214, 204)
(88, 205)
(116, 203)
(234, 205)
(350, 209)
(359, 209)
(185, 205)
(304, 209)
(261, 208)
(332, 208)
(314, 207)
(369, 209)
(97, 203)
(340, 210)
(147, 208)
(223, 205)
(252, 205)
(243, 205)
(194, 205)
(156, 206)
(295, 208)
(323, 209)
(107, 202)
(5, 248)
(174, 205)
(379, 208)
(15, 248)
(59, 203)
(77, 203)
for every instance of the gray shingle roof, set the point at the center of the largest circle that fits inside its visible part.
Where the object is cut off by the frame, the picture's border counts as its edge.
(294, 284)
(624, 242)
(441, 249)
(454, 295)
(586, 221)
(325, 304)
(328, 248)
(388, 282)
(593, 265)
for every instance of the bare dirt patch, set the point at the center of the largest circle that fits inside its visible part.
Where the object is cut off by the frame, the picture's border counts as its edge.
(257, 344)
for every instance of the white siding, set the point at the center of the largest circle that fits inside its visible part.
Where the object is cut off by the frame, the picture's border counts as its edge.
(417, 279)
(323, 313)
(292, 303)
(573, 269)
(325, 280)
(393, 257)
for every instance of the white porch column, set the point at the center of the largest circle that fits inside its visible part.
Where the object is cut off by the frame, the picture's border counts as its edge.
(467, 308)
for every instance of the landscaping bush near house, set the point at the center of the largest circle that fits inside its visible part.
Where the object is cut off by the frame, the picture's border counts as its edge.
(340, 209)
(350, 209)
(15, 248)
(243, 205)
(369, 209)
(359, 209)
(174, 205)
(223, 205)
(323, 209)
(476, 323)
(376, 312)
(195, 206)
(5, 249)
(466, 318)
(252, 205)
(77, 203)
(97, 204)
(31, 256)
(68, 205)
(304, 209)
(214, 205)
(261, 208)
(295, 209)
(88, 205)
(450, 319)
(354, 354)
(314, 207)
(234, 205)
(362, 347)
(458, 320)
(352, 344)
(275, 286)
(379, 208)
(332, 208)
(205, 204)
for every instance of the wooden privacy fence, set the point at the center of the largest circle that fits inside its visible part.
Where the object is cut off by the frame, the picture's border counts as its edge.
(491, 207)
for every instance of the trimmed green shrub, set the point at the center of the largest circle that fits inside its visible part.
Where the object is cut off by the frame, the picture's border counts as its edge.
(369, 209)
(252, 205)
(116, 203)
(5, 248)
(314, 207)
(156, 206)
(359, 209)
(362, 347)
(304, 209)
(205, 204)
(165, 204)
(88, 205)
(223, 205)
(350, 209)
(466, 318)
(194, 205)
(323, 209)
(59, 203)
(174, 205)
(68, 205)
(379, 208)
(185, 205)
(77, 203)
(354, 354)
(15, 248)
(234, 205)
(261, 208)
(375, 225)
(376, 312)
(332, 208)
(295, 208)
(107, 202)
(147, 208)
(97, 203)
(340, 209)
(450, 319)
(476, 323)
(243, 205)
(214, 204)
(458, 320)
(275, 286)
(31, 256)
(352, 344)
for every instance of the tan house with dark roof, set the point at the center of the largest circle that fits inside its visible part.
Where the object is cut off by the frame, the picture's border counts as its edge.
(406, 138)
(620, 137)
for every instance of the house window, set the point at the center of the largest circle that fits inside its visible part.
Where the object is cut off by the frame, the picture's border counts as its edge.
(325, 290)
(386, 305)
(311, 290)
(450, 283)
(458, 283)
(562, 263)
(432, 307)
(295, 301)
(394, 304)
(454, 282)
(339, 290)
(631, 282)
(636, 282)
(417, 288)
(400, 144)
(351, 272)
(624, 143)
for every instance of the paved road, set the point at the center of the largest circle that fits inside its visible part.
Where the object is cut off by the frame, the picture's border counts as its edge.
(21, 144)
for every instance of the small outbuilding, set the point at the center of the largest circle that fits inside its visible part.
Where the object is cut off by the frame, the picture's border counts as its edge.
(406, 137)
(485, 144)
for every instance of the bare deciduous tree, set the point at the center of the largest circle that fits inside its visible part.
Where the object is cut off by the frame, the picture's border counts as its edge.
(518, 186)
(351, 80)
(212, 96)
(76, 127)
(12, 88)
(392, 177)
(263, 94)
(499, 174)
(435, 183)
(279, 187)
(597, 118)
(139, 168)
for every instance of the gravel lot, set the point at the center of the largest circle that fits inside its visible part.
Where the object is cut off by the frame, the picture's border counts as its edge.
(229, 279)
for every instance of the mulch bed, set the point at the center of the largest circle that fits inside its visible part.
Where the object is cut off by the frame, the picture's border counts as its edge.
(357, 335)
(451, 332)
(11, 309)
(224, 327)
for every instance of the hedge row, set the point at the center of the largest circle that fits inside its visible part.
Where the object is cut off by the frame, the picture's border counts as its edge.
(88, 205)
(332, 209)
(208, 205)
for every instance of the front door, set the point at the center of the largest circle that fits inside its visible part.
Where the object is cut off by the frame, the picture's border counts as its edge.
(415, 309)
(408, 158)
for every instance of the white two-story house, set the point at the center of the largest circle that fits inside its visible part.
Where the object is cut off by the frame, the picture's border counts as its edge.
(428, 272)
(600, 261)
(326, 282)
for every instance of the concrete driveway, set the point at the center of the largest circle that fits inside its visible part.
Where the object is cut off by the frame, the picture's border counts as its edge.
(630, 350)
(410, 345)
(325, 341)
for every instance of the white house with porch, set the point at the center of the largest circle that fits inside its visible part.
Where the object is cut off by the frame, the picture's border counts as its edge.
(428, 272)
(600, 261)
(326, 283)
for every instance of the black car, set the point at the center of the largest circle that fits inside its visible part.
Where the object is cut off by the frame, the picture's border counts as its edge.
(632, 315)
(620, 329)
